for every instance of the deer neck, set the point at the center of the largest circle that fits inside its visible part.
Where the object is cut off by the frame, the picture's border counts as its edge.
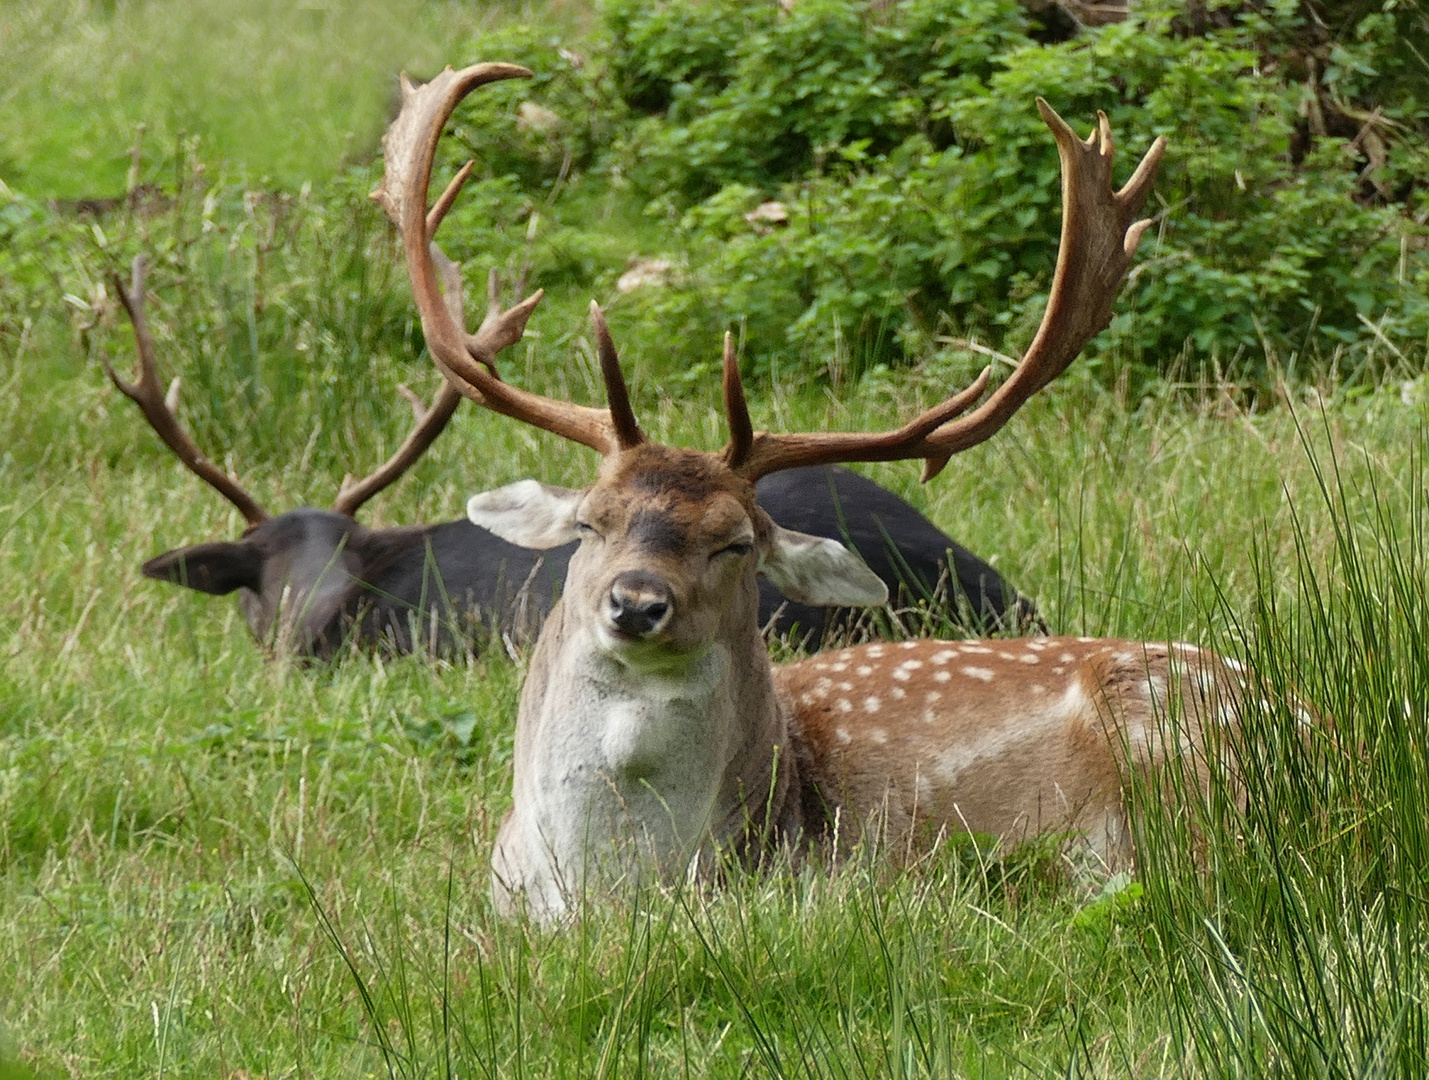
(623, 767)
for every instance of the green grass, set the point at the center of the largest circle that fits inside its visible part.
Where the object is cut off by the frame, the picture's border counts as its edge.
(214, 864)
(275, 92)
(218, 865)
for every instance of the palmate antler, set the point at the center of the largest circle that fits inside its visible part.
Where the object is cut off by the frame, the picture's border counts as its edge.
(469, 361)
(160, 408)
(1099, 238)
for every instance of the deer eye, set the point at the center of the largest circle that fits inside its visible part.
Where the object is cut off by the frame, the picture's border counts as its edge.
(586, 529)
(739, 547)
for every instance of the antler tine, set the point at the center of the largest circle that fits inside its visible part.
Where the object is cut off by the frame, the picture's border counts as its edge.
(1098, 240)
(622, 416)
(736, 410)
(147, 392)
(431, 420)
(409, 150)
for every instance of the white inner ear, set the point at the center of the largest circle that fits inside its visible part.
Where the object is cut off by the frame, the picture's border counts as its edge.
(528, 513)
(821, 572)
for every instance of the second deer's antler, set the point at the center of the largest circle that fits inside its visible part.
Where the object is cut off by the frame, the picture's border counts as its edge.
(160, 409)
(148, 393)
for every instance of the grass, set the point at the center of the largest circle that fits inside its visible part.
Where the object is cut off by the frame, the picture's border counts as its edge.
(213, 864)
(277, 93)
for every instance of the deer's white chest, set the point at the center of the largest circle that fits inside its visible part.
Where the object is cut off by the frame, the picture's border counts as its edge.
(633, 764)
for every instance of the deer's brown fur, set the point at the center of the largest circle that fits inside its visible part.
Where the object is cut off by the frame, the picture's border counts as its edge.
(1005, 737)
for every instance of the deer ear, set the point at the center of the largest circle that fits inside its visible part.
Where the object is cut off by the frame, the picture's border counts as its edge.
(216, 568)
(528, 513)
(821, 572)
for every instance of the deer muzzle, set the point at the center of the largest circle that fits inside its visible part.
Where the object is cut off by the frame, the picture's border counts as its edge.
(639, 605)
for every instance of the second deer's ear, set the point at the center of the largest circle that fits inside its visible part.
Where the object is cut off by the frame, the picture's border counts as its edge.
(217, 568)
(528, 513)
(821, 572)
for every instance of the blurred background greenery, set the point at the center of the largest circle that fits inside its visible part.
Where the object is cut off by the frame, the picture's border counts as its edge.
(908, 191)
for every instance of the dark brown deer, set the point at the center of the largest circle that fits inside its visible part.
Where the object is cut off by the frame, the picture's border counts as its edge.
(311, 580)
(653, 731)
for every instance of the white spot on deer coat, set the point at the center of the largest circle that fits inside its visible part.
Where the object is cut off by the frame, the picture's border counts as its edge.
(845, 705)
(843, 736)
(864, 671)
(944, 656)
(978, 673)
(872, 704)
(941, 676)
(1029, 658)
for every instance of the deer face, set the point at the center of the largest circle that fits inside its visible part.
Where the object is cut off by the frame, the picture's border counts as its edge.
(670, 544)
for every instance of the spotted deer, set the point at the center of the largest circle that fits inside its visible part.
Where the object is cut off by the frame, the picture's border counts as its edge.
(653, 731)
(313, 582)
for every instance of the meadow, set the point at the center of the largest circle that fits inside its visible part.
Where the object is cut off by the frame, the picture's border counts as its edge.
(216, 863)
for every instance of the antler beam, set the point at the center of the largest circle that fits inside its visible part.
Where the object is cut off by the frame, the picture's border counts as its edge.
(431, 420)
(1099, 238)
(469, 361)
(146, 392)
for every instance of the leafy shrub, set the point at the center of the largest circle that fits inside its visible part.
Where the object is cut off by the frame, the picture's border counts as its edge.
(921, 188)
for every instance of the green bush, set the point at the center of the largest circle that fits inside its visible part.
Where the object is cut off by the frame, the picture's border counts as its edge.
(921, 187)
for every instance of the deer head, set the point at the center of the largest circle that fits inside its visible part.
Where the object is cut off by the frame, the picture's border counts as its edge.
(649, 725)
(302, 574)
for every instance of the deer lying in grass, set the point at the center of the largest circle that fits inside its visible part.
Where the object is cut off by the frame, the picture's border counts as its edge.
(311, 581)
(653, 729)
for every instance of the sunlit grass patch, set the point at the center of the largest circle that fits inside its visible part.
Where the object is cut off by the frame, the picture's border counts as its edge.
(280, 91)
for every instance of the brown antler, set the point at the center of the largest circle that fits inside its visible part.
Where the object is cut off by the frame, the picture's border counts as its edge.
(1099, 238)
(469, 361)
(431, 420)
(146, 392)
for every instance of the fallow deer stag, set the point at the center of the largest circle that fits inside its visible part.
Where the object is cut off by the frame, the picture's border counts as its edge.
(652, 729)
(309, 579)
(312, 580)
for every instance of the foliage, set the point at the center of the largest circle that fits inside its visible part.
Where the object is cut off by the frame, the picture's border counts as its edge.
(920, 187)
(212, 864)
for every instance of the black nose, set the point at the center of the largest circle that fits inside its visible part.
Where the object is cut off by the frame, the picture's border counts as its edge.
(640, 603)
